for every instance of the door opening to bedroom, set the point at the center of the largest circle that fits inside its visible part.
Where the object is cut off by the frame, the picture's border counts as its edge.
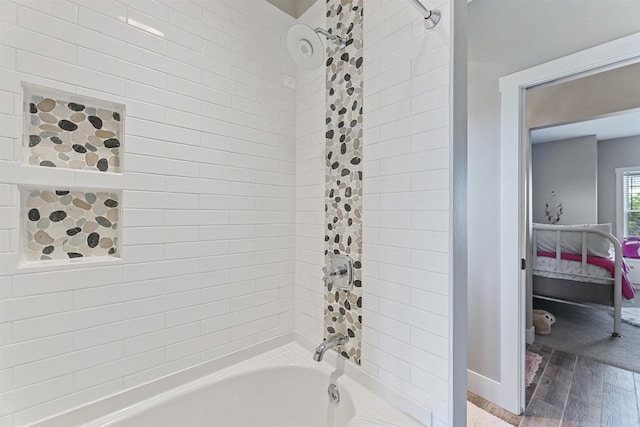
(515, 51)
(582, 220)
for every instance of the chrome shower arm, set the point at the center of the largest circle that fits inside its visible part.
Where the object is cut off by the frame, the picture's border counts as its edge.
(431, 17)
(338, 40)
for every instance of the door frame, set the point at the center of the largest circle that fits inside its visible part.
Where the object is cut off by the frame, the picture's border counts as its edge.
(509, 392)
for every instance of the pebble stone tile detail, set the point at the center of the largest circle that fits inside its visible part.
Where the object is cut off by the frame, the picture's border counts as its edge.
(63, 224)
(343, 189)
(72, 135)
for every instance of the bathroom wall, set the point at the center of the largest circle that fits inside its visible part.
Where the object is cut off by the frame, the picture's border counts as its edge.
(343, 168)
(215, 176)
(484, 218)
(406, 213)
(208, 205)
(310, 191)
(406, 186)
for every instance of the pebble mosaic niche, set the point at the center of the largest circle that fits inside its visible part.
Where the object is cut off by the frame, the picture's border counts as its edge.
(65, 224)
(65, 130)
(343, 189)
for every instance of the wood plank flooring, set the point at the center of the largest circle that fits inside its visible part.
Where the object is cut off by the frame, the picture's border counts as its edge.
(572, 391)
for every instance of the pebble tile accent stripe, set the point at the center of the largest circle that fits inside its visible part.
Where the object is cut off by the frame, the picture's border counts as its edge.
(343, 192)
(62, 224)
(71, 135)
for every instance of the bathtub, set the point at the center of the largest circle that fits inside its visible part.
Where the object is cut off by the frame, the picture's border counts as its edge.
(280, 388)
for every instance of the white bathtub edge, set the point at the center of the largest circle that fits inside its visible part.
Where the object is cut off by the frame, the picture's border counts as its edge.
(397, 399)
(100, 408)
(123, 399)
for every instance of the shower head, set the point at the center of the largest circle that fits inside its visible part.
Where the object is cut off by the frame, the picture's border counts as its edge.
(306, 47)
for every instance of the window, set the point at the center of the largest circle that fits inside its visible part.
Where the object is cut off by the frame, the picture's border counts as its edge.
(631, 203)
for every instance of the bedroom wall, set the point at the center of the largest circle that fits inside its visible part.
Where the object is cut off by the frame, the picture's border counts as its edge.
(568, 167)
(612, 154)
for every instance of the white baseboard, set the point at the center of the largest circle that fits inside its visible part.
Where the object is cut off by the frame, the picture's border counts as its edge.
(487, 388)
(483, 386)
(530, 335)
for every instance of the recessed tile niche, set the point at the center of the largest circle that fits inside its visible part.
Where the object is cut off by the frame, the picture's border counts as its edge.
(66, 130)
(64, 224)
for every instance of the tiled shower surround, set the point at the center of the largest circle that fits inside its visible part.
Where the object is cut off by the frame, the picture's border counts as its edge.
(224, 188)
(63, 224)
(207, 224)
(343, 191)
(73, 135)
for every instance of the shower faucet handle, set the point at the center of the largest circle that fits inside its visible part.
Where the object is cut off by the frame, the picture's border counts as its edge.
(327, 275)
(340, 272)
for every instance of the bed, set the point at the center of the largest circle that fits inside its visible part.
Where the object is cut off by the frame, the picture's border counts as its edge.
(580, 264)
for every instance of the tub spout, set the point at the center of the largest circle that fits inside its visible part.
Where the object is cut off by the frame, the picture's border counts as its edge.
(333, 341)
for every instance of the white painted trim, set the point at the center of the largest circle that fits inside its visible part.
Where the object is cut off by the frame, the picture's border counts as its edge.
(458, 279)
(619, 197)
(512, 241)
(620, 232)
(512, 279)
(483, 386)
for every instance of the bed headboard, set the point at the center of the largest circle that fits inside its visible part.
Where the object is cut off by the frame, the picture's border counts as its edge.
(570, 238)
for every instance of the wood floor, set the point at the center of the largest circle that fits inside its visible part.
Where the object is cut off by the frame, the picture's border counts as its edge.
(572, 391)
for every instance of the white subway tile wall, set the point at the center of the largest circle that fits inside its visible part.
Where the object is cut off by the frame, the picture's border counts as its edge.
(223, 208)
(310, 191)
(406, 254)
(209, 200)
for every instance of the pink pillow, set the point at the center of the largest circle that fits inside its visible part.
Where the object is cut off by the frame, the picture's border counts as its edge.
(631, 247)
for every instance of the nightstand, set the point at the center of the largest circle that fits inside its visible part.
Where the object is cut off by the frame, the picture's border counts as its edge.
(634, 273)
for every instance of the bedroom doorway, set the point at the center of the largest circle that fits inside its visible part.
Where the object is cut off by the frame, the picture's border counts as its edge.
(516, 208)
(573, 181)
(576, 168)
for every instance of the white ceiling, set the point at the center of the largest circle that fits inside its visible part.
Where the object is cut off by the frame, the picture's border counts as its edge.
(524, 33)
(518, 34)
(614, 126)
